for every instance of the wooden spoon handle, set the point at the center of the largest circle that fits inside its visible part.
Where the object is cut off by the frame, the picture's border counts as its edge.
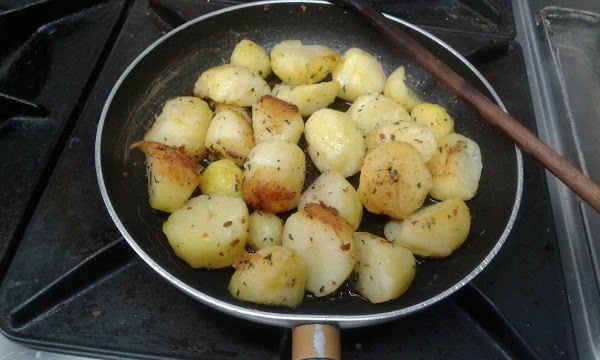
(585, 188)
(316, 342)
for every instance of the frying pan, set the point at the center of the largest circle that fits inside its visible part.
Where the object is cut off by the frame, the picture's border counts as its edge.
(169, 68)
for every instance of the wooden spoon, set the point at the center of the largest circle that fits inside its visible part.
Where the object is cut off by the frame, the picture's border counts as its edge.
(587, 190)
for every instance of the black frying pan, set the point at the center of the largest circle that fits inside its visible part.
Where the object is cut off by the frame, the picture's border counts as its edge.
(170, 67)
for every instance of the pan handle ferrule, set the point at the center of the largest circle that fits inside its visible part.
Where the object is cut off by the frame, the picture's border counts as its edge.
(316, 341)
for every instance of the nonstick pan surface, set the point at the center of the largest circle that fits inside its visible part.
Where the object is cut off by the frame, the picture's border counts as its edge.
(170, 68)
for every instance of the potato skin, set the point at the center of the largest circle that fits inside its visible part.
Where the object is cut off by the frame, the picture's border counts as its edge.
(308, 98)
(222, 177)
(334, 142)
(208, 231)
(250, 55)
(383, 271)
(396, 88)
(266, 229)
(373, 111)
(412, 133)
(455, 168)
(230, 136)
(394, 180)
(435, 118)
(359, 73)
(272, 276)
(324, 242)
(274, 174)
(434, 231)
(230, 84)
(172, 176)
(297, 64)
(183, 122)
(273, 118)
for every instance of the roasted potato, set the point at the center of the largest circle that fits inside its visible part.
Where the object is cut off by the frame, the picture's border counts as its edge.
(394, 180)
(208, 231)
(308, 98)
(334, 142)
(396, 88)
(250, 55)
(298, 64)
(222, 177)
(333, 190)
(324, 242)
(172, 176)
(273, 118)
(183, 122)
(359, 73)
(230, 84)
(435, 118)
(455, 168)
(434, 231)
(266, 229)
(412, 133)
(383, 270)
(373, 111)
(272, 276)
(243, 111)
(274, 176)
(230, 136)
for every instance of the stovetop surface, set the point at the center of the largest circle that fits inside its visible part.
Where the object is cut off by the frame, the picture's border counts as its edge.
(70, 283)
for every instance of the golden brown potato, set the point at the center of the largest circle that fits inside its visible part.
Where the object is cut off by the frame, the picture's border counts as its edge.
(455, 168)
(230, 84)
(274, 176)
(373, 111)
(383, 270)
(435, 118)
(230, 136)
(332, 189)
(222, 177)
(298, 64)
(324, 242)
(266, 229)
(273, 118)
(334, 142)
(208, 231)
(434, 231)
(244, 111)
(415, 134)
(172, 176)
(359, 73)
(308, 98)
(396, 88)
(183, 122)
(394, 180)
(250, 55)
(271, 276)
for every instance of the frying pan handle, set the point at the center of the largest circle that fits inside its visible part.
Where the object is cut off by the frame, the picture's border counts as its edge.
(316, 341)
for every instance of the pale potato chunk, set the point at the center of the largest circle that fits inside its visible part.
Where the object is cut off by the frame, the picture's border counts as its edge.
(434, 231)
(274, 176)
(271, 276)
(183, 122)
(334, 142)
(208, 231)
(359, 73)
(222, 177)
(396, 88)
(333, 190)
(172, 176)
(266, 229)
(244, 111)
(383, 270)
(370, 112)
(324, 242)
(273, 118)
(230, 136)
(230, 84)
(250, 55)
(394, 180)
(415, 134)
(435, 118)
(298, 64)
(308, 98)
(455, 168)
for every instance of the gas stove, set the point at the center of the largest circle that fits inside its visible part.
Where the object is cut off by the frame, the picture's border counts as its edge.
(71, 284)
